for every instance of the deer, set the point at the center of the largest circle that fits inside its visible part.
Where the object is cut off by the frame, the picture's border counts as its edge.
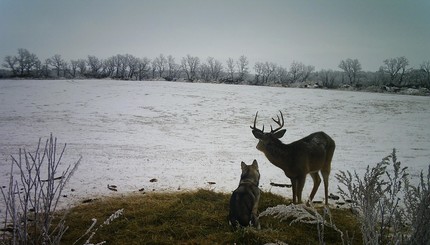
(309, 155)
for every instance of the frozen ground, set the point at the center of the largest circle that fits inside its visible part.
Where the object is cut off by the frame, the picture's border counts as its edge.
(186, 135)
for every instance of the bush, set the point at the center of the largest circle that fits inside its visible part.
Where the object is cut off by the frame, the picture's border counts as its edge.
(417, 199)
(32, 198)
(377, 201)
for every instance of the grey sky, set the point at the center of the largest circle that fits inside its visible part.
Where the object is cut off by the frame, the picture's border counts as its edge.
(319, 33)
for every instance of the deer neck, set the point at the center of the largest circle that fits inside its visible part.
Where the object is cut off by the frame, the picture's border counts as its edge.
(276, 152)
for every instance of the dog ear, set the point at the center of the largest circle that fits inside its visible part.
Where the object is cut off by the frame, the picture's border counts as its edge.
(243, 165)
(255, 163)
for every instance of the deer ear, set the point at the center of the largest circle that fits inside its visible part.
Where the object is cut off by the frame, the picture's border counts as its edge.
(257, 134)
(280, 133)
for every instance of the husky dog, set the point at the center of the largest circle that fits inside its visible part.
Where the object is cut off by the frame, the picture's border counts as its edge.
(244, 200)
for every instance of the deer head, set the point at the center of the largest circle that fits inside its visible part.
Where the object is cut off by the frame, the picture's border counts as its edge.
(273, 135)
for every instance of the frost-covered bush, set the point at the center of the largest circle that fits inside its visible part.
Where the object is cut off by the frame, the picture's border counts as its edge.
(93, 231)
(295, 213)
(417, 199)
(389, 209)
(303, 214)
(32, 196)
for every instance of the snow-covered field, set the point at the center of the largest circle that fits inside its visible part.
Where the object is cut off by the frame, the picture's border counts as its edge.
(186, 135)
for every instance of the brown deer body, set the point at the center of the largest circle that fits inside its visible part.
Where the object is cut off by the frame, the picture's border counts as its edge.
(310, 155)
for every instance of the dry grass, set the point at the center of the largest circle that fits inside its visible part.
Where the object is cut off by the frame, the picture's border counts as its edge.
(198, 217)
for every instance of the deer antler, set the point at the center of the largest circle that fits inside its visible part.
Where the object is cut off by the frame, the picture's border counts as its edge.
(255, 121)
(280, 123)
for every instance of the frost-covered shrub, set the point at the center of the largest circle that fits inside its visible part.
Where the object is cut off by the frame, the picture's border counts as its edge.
(303, 214)
(92, 232)
(417, 199)
(389, 209)
(32, 197)
(295, 213)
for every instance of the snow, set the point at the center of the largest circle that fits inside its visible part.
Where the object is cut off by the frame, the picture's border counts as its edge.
(186, 135)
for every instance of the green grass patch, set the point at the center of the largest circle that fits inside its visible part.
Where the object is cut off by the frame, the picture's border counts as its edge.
(198, 217)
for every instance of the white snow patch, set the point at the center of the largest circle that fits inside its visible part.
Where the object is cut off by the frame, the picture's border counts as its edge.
(186, 135)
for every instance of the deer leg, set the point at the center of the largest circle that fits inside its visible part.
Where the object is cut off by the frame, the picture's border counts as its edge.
(317, 180)
(294, 187)
(325, 171)
(325, 179)
(300, 184)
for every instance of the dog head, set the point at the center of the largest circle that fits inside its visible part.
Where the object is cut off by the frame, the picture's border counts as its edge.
(250, 173)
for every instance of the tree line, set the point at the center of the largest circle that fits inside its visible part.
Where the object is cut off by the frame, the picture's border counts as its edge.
(393, 71)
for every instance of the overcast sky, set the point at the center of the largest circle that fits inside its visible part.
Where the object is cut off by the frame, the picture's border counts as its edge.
(318, 33)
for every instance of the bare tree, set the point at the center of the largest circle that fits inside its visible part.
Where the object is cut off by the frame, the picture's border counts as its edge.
(299, 72)
(73, 67)
(351, 67)
(133, 65)
(95, 65)
(82, 66)
(215, 68)
(116, 62)
(121, 66)
(425, 68)
(268, 72)
(57, 62)
(415, 77)
(190, 65)
(44, 69)
(26, 62)
(143, 68)
(211, 70)
(307, 72)
(327, 78)
(295, 72)
(38, 70)
(112, 66)
(258, 68)
(11, 63)
(109, 66)
(173, 69)
(159, 64)
(205, 72)
(281, 75)
(30, 62)
(65, 67)
(230, 69)
(242, 68)
(395, 68)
